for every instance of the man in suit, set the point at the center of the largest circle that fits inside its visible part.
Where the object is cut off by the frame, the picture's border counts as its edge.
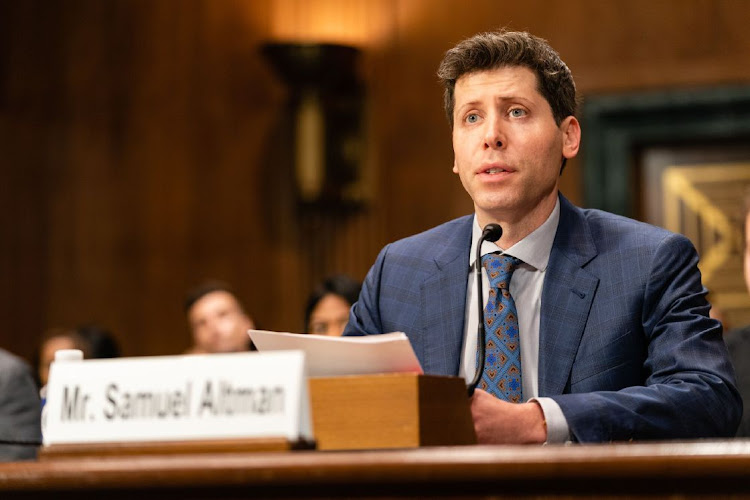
(615, 338)
(20, 410)
(738, 340)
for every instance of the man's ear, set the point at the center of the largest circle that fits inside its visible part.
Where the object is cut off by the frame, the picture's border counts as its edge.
(455, 167)
(571, 131)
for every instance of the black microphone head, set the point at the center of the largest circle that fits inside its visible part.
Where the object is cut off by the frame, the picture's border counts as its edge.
(492, 232)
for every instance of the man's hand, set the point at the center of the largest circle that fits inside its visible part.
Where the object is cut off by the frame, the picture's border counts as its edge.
(500, 422)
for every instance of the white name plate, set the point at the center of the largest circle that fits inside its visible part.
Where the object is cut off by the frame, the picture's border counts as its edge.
(170, 398)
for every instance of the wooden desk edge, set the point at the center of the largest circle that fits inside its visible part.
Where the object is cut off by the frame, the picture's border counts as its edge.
(475, 464)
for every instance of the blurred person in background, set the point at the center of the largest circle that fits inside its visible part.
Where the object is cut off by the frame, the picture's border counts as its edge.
(100, 342)
(53, 340)
(93, 340)
(217, 320)
(327, 310)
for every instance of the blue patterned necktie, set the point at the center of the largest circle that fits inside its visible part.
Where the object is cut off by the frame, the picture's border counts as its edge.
(502, 367)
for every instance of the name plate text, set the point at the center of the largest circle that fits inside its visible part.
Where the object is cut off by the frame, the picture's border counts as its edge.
(168, 398)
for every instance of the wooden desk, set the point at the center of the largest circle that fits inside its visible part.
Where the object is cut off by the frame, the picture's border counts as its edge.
(715, 469)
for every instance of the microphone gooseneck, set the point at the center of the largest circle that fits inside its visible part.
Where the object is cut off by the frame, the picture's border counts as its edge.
(492, 232)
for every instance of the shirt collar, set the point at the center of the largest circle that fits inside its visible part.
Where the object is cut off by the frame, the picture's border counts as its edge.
(534, 249)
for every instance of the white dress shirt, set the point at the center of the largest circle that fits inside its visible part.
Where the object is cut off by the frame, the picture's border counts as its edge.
(526, 289)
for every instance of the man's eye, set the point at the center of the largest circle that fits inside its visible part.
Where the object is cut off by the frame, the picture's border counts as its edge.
(472, 118)
(517, 112)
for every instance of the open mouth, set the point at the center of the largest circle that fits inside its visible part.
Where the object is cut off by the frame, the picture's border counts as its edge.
(495, 170)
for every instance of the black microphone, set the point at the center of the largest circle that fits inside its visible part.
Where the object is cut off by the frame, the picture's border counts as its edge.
(492, 232)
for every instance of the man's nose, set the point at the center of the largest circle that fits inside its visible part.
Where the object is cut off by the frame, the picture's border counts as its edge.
(494, 135)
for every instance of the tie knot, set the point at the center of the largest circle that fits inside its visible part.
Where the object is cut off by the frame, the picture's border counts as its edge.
(499, 269)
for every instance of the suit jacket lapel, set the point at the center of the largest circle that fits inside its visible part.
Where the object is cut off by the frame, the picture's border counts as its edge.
(566, 299)
(444, 303)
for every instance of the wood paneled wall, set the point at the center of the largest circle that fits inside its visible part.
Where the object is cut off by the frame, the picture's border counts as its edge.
(140, 153)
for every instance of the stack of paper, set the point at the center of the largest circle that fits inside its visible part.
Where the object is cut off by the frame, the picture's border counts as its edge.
(333, 356)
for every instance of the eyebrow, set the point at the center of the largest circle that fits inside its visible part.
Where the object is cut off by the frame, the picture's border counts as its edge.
(475, 102)
(470, 104)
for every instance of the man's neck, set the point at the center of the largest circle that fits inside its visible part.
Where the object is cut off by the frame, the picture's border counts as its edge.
(517, 225)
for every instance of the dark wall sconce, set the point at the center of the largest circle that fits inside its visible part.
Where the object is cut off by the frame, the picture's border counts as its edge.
(327, 106)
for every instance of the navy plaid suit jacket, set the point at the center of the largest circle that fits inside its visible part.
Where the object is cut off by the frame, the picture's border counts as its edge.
(626, 346)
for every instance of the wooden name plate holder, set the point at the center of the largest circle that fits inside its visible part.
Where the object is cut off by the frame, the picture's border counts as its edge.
(230, 402)
(401, 410)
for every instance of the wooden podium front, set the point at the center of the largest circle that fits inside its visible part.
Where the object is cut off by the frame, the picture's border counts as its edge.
(401, 410)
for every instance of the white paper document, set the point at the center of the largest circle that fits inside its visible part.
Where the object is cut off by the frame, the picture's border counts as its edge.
(333, 356)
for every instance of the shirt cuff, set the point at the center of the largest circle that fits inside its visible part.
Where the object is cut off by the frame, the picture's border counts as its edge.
(557, 425)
